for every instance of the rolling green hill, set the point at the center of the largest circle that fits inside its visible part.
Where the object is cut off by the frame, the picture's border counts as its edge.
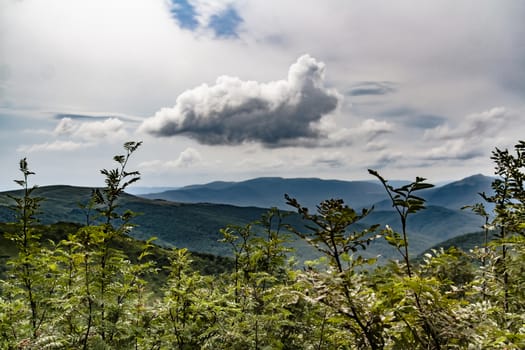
(465, 242)
(192, 226)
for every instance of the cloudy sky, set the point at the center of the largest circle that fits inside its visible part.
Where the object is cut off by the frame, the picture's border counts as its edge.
(236, 89)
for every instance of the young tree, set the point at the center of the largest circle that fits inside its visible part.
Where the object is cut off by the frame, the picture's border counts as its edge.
(509, 201)
(32, 278)
(501, 276)
(268, 311)
(342, 287)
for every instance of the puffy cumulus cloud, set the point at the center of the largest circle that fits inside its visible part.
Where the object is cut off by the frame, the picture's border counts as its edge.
(232, 111)
(55, 146)
(187, 158)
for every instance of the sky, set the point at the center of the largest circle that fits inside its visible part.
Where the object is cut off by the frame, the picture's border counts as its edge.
(237, 89)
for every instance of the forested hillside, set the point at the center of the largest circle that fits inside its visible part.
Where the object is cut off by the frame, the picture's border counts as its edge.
(192, 226)
(196, 226)
(83, 288)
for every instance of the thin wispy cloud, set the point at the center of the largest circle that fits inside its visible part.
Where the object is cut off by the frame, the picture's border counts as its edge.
(330, 160)
(470, 138)
(94, 130)
(91, 116)
(473, 126)
(364, 132)
(373, 88)
(72, 135)
(458, 149)
(54, 146)
(413, 118)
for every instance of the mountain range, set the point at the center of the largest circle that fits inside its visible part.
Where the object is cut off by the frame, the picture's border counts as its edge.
(192, 216)
(268, 192)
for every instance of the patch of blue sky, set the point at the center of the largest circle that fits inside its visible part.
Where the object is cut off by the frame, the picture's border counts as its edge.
(226, 23)
(10, 121)
(184, 13)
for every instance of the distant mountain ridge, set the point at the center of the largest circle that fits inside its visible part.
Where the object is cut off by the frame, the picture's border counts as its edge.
(269, 191)
(460, 193)
(138, 190)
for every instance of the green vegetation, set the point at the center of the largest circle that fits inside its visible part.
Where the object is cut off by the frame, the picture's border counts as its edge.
(206, 264)
(174, 224)
(91, 286)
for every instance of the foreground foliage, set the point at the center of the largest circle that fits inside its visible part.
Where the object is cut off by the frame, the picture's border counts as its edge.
(90, 291)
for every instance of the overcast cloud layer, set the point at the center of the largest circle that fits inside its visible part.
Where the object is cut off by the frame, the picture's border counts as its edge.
(234, 89)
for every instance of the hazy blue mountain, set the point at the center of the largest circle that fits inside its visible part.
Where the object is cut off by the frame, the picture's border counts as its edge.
(269, 192)
(434, 223)
(138, 190)
(215, 185)
(460, 193)
(453, 195)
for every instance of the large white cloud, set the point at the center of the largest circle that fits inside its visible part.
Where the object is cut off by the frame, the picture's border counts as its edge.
(233, 111)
